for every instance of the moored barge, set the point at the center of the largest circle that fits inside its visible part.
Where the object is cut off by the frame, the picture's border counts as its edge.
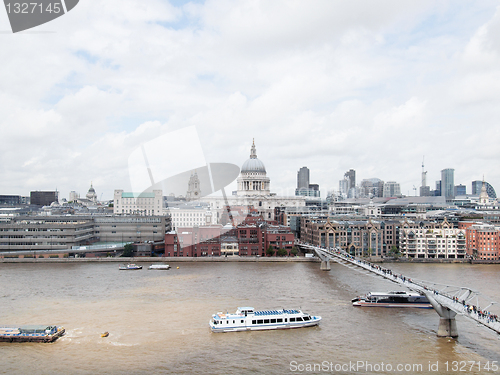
(30, 333)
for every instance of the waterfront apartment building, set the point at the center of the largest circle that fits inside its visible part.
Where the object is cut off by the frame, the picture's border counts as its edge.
(483, 240)
(144, 204)
(424, 241)
(357, 237)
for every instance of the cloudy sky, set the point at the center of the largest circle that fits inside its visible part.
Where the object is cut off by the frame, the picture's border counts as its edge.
(331, 85)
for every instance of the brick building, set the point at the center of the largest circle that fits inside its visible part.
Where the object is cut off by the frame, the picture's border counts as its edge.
(247, 239)
(483, 240)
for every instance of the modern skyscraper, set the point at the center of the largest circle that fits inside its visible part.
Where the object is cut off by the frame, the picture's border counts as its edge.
(43, 198)
(303, 178)
(477, 185)
(351, 176)
(392, 189)
(448, 183)
(304, 188)
(460, 190)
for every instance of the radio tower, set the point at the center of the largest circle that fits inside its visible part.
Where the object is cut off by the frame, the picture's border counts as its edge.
(424, 174)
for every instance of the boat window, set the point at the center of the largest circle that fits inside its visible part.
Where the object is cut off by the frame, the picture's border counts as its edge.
(286, 320)
(227, 321)
(306, 318)
(299, 319)
(273, 320)
(254, 321)
(242, 320)
(266, 321)
(280, 320)
(292, 319)
(260, 321)
(233, 321)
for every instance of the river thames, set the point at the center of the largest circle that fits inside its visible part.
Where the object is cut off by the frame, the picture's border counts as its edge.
(158, 320)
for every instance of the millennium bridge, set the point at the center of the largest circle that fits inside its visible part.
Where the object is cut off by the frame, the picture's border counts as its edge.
(448, 301)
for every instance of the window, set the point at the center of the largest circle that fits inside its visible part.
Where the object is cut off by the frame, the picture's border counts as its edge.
(260, 321)
(266, 321)
(273, 320)
(279, 320)
(253, 321)
(292, 319)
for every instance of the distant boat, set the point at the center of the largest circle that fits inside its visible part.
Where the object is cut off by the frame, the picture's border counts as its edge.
(159, 267)
(105, 334)
(131, 266)
(392, 299)
(246, 319)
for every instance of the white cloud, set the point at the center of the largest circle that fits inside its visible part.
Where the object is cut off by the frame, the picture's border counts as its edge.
(330, 85)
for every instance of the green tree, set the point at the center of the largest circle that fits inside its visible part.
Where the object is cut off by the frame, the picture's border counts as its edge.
(294, 251)
(128, 250)
(394, 252)
(282, 252)
(270, 251)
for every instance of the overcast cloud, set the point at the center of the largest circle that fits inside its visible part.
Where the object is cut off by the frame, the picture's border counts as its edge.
(331, 85)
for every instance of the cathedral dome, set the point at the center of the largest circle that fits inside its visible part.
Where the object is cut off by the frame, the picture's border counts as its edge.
(253, 164)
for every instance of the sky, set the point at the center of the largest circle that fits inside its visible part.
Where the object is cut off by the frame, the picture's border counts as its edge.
(374, 86)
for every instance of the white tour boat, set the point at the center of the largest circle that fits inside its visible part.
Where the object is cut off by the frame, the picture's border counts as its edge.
(159, 267)
(130, 266)
(246, 319)
(393, 299)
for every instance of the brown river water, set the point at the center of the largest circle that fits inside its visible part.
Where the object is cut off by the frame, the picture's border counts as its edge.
(158, 320)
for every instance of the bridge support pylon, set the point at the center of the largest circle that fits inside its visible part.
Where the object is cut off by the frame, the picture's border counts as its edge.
(325, 265)
(447, 323)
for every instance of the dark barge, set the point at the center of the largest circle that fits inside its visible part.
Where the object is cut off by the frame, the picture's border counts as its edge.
(30, 333)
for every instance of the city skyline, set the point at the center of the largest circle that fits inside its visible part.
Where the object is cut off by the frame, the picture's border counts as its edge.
(328, 88)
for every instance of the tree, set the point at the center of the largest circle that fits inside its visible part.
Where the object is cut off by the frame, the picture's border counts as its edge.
(270, 251)
(282, 252)
(294, 251)
(128, 250)
(394, 251)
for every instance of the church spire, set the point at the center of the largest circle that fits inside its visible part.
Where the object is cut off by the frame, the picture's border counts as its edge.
(253, 151)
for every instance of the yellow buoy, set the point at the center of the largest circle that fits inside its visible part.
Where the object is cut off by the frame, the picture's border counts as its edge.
(177, 267)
